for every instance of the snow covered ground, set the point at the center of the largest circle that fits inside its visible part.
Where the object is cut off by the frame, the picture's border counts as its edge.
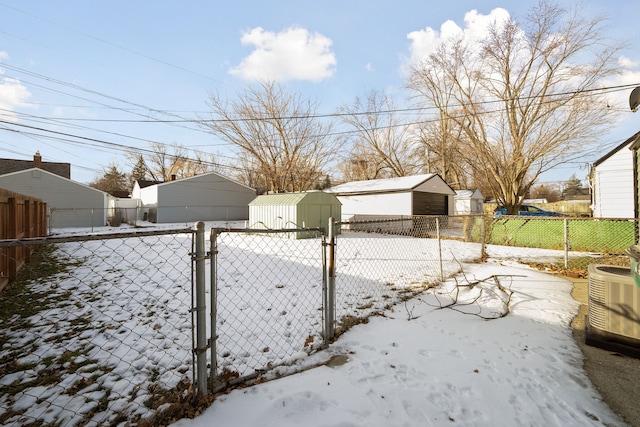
(420, 364)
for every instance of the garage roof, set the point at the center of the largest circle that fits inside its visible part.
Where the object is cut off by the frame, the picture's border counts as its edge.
(390, 185)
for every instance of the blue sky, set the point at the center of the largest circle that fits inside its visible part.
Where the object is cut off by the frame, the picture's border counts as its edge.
(89, 69)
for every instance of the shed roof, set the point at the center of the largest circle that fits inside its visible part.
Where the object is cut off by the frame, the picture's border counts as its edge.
(289, 199)
(469, 194)
(388, 185)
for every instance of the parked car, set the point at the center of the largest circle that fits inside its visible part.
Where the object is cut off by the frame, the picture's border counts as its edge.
(527, 210)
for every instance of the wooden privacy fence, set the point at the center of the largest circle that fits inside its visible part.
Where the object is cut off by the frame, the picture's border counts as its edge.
(20, 217)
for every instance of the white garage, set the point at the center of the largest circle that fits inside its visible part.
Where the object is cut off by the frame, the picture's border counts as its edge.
(426, 194)
(70, 203)
(206, 197)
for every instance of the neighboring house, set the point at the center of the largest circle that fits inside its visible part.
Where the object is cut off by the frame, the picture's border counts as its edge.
(613, 184)
(70, 203)
(310, 209)
(139, 185)
(12, 165)
(206, 197)
(426, 194)
(635, 148)
(468, 202)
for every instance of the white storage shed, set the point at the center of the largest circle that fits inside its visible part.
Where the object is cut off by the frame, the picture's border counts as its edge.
(468, 202)
(612, 183)
(71, 204)
(206, 197)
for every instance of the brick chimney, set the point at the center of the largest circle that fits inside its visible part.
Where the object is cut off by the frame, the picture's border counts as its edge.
(37, 160)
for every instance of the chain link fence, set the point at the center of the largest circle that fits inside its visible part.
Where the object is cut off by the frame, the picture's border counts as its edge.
(570, 244)
(101, 329)
(97, 330)
(268, 303)
(383, 262)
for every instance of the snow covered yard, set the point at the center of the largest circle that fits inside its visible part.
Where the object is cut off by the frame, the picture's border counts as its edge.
(99, 338)
(107, 337)
(423, 365)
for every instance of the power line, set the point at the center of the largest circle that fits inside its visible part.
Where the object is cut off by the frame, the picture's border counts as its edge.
(199, 121)
(126, 49)
(87, 141)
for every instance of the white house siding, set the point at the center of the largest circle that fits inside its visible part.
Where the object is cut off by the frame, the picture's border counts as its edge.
(70, 204)
(148, 196)
(613, 189)
(207, 197)
(395, 204)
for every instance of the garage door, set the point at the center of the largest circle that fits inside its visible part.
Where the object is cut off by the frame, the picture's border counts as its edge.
(430, 203)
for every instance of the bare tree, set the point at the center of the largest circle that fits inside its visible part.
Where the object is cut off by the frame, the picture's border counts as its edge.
(442, 148)
(525, 97)
(543, 191)
(381, 145)
(280, 140)
(362, 164)
(162, 162)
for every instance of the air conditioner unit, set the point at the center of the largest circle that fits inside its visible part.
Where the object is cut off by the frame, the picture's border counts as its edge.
(614, 309)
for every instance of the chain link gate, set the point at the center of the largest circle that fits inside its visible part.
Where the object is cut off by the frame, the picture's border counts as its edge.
(95, 329)
(267, 304)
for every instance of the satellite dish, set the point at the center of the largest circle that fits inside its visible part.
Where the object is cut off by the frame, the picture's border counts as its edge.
(634, 99)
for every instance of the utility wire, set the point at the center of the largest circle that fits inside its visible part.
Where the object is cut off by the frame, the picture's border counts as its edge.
(126, 49)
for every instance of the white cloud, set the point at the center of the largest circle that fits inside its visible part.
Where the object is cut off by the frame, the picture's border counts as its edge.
(625, 62)
(369, 67)
(628, 75)
(12, 93)
(424, 42)
(292, 54)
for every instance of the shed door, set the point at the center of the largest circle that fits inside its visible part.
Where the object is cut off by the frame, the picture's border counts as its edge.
(430, 203)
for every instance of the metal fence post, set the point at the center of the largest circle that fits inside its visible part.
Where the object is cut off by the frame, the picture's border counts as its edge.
(201, 312)
(329, 294)
(214, 306)
(567, 245)
(439, 248)
(483, 238)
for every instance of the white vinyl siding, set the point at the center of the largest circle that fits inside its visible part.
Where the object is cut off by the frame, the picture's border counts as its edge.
(613, 190)
(376, 204)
